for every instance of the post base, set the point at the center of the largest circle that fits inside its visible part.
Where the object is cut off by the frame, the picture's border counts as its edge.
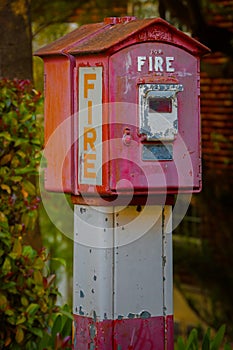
(125, 334)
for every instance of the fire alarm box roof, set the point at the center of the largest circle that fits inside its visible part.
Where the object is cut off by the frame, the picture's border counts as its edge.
(115, 33)
(61, 45)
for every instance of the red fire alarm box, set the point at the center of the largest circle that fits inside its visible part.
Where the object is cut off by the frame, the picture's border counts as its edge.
(122, 109)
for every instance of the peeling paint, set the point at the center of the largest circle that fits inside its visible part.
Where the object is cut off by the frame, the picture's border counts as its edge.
(164, 260)
(92, 331)
(94, 316)
(82, 210)
(145, 314)
(119, 334)
(81, 313)
(82, 294)
(158, 111)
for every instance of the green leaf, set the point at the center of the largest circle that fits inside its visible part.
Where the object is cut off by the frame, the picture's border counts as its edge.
(180, 344)
(38, 264)
(26, 170)
(67, 328)
(36, 142)
(45, 341)
(60, 260)
(216, 342)
(20, 141)
(9, 312)
(29, 252)
(19, 335)
(57, 326)
(21, 153)
(6, 159)
(10, 286)
(21, 320)
(16, 178)
(32, 309)
(3, 301)
(23, 109)
(6, 268)
(38, 278)
(29, 187)
(6, 135)
(17, 248)
(32, 345)
(66, 313)
(37, 331)
(12, 320)
(192, 342)
(3, 217)
(24, 301)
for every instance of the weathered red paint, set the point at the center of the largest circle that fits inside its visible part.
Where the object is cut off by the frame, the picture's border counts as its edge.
(166, 56)
(126, 334)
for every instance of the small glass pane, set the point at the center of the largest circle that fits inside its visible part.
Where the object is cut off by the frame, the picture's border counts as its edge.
(160, 105)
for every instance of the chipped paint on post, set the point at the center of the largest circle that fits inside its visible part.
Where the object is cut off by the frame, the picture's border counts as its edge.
(125, 290)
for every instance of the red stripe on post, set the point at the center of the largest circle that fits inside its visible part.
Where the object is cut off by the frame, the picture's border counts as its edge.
(152, 333)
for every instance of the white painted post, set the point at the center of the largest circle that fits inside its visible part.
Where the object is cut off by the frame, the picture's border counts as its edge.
(123, 278)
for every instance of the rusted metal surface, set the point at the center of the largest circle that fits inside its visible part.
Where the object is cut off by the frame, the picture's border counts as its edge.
(95, 78)
(63, 44)
(138, 30)
(99, 37)
(182, 168)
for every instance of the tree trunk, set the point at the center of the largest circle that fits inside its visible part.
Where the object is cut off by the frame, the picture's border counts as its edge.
(15, 42)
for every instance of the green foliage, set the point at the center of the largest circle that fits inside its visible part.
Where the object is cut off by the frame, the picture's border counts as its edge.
(20, 146)
(208, 343)
(59, 336)
(28, 295)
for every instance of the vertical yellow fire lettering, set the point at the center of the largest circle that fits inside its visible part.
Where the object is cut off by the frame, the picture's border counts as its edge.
(89, 164)
(89, 133)
(90, 120)
(88, 86)
(89, 158)
(89, 138)
(89, 113)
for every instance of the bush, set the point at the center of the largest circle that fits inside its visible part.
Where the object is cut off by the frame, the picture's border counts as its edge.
(28, 311)
(20, 146)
